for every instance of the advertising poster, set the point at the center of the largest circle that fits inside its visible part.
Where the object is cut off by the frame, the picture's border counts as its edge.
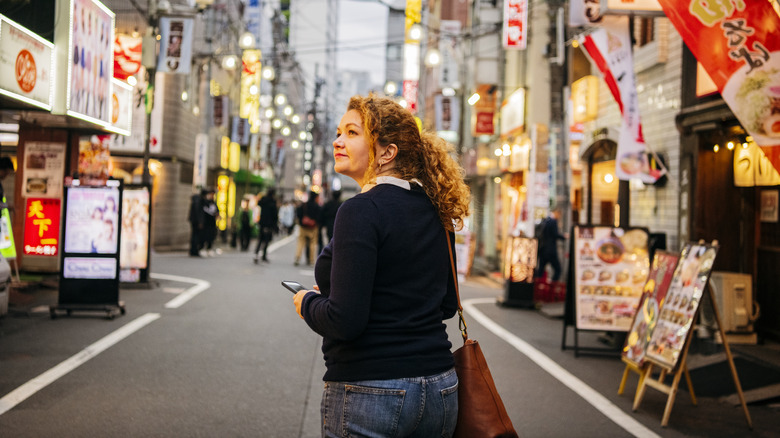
(653, 296)
(515, 26)
(44, 169)
(25, 64)
(92, 60)
(121, 107)
(94, 158)
(682, 302)
(134, 246)
(520, 259)
(42, 227)
(610, 269)
(737, 44)
(92, 220)
(769, 206)
(127, 55)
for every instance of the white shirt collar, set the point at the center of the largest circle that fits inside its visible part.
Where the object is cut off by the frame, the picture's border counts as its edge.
(404, 184)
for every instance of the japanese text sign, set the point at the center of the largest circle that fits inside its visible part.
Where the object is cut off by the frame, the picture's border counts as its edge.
(42, 226)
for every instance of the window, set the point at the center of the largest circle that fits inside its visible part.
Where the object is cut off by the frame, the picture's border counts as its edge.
(644, 30)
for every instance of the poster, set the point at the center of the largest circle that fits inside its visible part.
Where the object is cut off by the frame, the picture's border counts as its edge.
(769, 201)
(653, 296)
(610, 269)
(94, 158)
(134, 247)
(25, 65)
(682, 302)
(42, 227)
(92, 220)
(92, 64)
(44, 169)
(175, 45)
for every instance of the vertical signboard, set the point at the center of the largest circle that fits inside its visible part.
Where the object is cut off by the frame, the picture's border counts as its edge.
(42, 227)
(134, 244)
(515, 26)
(175, 45)
(26, 62)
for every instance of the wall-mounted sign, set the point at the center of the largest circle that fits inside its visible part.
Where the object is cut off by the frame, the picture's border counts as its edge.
(90, 61)
(585, 99)
(513, 114)
(769, 206)
(26, 62)
(121, 107)
(447, 117)
(127, 56)
(175, 45)
(42, 226)
(44, 168)
(515, 26)
(94, 157)
(249, 104)
(753, 168)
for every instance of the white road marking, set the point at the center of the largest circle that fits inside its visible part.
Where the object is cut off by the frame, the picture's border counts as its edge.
(590, 395)
(200, 286)
(23, 392)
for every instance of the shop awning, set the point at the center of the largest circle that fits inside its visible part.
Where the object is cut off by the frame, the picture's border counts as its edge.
(255, 180)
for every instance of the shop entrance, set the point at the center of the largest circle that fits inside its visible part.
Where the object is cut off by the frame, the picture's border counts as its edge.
(602, 184)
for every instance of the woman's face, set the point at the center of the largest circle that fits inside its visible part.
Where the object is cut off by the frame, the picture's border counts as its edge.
(350, 149)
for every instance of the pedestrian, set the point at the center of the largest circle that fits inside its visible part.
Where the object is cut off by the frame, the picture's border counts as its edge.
(6, 168)
(385, 283)
(245, 225)
(287, 216)
(329, 213)
(209, 212)
(268, 223)
(309, 222)
(195, 218)
(548, 245)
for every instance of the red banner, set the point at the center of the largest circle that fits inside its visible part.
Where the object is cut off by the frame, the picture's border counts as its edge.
(737, 42)
(42, 226)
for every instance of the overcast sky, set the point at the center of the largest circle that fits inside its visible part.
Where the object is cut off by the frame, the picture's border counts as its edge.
(362, 37)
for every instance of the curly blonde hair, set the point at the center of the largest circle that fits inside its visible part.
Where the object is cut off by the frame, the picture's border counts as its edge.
(421, 155)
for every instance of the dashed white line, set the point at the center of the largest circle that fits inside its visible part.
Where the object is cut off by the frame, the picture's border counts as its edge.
(590, 395)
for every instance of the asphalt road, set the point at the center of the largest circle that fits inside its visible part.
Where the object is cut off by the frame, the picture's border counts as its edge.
(216, 350)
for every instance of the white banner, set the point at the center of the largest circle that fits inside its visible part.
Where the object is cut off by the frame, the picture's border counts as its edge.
(25, 65)
(515, 27)
(609, 47)
(201, 157)
(175, 45)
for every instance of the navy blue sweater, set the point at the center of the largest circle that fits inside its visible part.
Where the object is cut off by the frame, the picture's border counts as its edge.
(386, 286)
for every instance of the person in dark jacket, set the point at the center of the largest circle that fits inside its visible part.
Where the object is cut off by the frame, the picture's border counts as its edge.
(268, 223)
(245, 225)
(385, 281)
(210, 213)
(548, 245)
(195, 218)
(309, 222)
(329, 213)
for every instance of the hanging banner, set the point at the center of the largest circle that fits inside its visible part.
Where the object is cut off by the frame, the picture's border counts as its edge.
(42, 227)
(584, 12)
(515, 26)
(175, 45)
(737, 44)
(449, 70)
(199, 168)
(127, 56)
(609, 49)
(249, 102)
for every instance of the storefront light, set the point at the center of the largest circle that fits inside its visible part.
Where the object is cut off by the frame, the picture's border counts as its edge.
(268, 73)
(286, 131)
(269, 113)
(280, 99)
(403, 103)
(505, 150)
(473, 99)
(608, 178)
(432, 58)
(247, 40)
(716, 148)
(294, 144)
(744, 145)
(288, 110)
(196, 110)
(730, 145)
(185, 95)
(276, 123)
(132, 80)
(229, 62)
(295, 119)
(498, 152)
(497, 180)
(391, 88)
(415, 32)
(448, 91)
(302, 135)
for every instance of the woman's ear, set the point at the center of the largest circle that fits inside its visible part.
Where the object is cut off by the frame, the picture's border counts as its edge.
(388, 153)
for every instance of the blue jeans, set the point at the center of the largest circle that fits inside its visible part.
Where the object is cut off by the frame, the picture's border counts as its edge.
(409, 407)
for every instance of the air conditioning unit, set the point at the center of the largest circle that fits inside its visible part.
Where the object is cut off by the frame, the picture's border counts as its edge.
(734, 297)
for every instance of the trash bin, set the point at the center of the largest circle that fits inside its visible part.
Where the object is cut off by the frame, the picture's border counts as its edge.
(5, 283)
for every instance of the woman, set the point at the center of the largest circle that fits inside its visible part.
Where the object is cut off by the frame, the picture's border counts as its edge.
(385, 281)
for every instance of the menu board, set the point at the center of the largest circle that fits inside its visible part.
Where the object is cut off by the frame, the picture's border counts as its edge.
(610, 269)
(520, 259)
(653, 296)
(682, 302)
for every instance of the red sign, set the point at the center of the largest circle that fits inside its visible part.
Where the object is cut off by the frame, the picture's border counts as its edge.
(127, 56)
(515, 24)
(737, 44)
(25, 71)
(484, 125)
(42, 226)
(410, 95)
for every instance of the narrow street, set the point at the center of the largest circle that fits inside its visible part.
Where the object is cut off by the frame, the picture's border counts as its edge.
(216, 349)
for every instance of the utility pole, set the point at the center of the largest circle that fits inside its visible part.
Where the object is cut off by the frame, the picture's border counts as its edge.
(150, 62)
(276, 33)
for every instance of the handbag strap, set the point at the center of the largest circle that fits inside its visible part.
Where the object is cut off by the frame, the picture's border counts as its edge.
(461, 323)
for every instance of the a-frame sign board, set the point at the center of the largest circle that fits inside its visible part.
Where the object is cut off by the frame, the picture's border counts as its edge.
(671, 338)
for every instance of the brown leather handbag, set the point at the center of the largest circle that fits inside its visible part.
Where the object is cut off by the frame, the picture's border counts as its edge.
(481, 413)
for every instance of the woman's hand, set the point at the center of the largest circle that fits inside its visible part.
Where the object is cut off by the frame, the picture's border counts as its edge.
(298, 299)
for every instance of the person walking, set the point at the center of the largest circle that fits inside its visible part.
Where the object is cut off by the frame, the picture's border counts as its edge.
(384, 281)
(195, 218)
(548, 245)
(287, 216)
(268, 223)
(329, 213)
(245, 225)
(309, 222)
(209, 213)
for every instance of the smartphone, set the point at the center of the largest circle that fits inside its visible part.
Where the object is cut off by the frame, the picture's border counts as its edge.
(294, 286)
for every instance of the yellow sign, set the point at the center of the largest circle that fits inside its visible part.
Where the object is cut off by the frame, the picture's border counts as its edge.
(234, 157)
(224, 152)
(221, 198)
(249, 105)
(585, 98)
(752, 167)
(413, 16)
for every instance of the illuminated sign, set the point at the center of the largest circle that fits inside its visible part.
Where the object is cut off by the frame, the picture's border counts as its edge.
(121, 107)
(221, 199)
(515, 28)
(42, 226)
(25, 65)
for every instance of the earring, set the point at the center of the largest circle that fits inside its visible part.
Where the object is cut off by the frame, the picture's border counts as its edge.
(380, 168)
